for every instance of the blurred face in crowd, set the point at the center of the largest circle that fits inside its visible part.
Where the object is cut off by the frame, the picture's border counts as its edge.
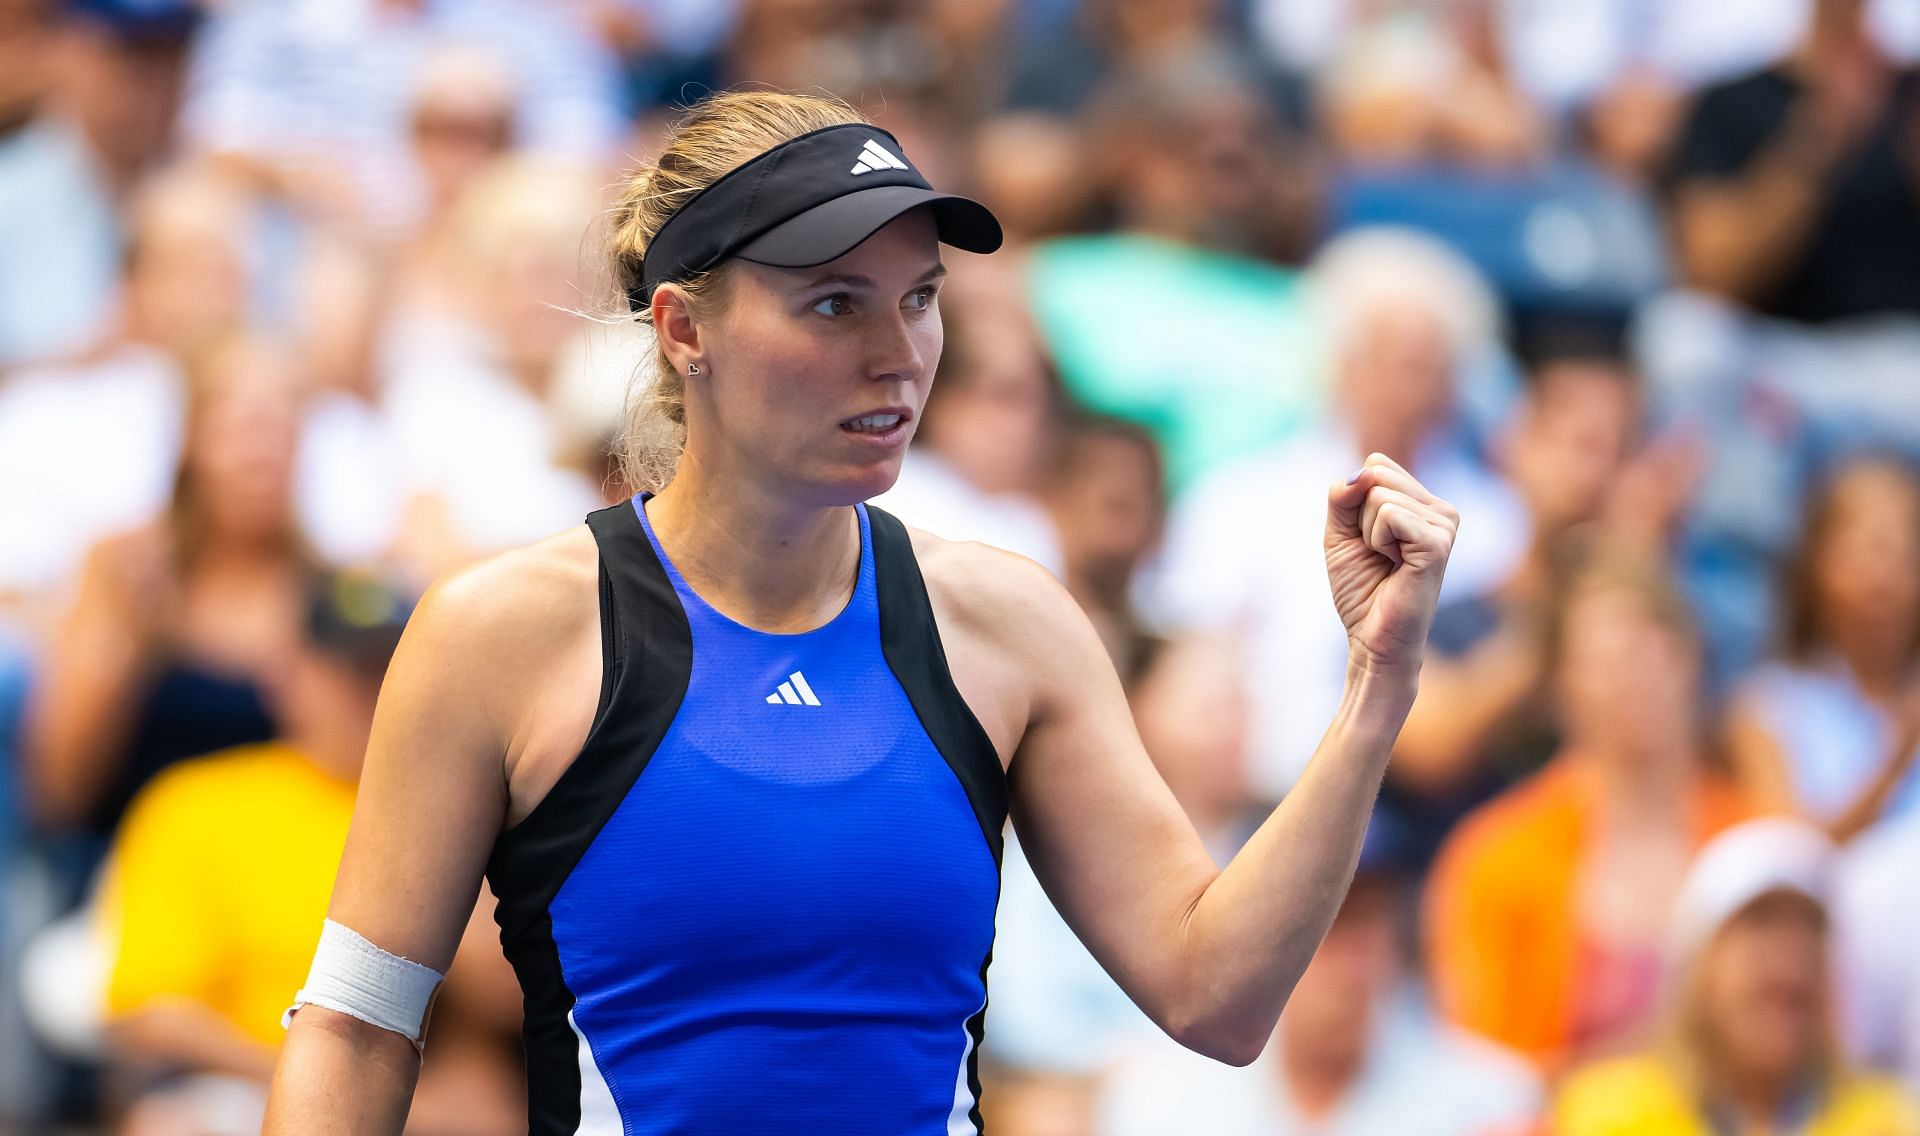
(1032, 171)
(519, 228)
(1761, 1002)
(1191, 710)
(125, 91)
(462, 120)
(1866, 559)
(994, 415)
(1396, 370)
(186, 278)
(1628, 679)
(1573, 432)
(1107, 502)
(1330, 1014)
(1205, 171)
(241, 441)
(1144, 24)
(26, 32)
(327, 700)
(805, 369)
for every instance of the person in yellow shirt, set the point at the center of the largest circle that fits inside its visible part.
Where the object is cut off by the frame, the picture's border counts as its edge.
(217, 886)
(1750, 1048)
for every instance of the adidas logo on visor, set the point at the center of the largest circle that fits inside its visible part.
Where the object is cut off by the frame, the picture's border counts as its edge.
(794, 692)
(874, 156)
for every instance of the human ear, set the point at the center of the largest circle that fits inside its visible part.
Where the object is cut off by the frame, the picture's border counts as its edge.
(675, 326)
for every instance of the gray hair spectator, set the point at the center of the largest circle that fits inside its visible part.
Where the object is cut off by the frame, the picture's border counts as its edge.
(1404, 317)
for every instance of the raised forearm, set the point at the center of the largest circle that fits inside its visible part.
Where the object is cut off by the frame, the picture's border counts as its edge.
(1736, 238)
(1461, 706)
(1253, 931)
(341, 1077)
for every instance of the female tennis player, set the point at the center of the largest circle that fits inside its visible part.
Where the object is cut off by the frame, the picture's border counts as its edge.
(736, 755)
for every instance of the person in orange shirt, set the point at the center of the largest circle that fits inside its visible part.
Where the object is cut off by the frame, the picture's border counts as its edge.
(1547, 906)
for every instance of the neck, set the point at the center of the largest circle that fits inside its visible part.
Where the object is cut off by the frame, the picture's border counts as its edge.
(754, 553)
(1649, 786)
(1317, 1079)
(1878, 662)
(1399, 443)
(1099, 585)
(1755, 1098)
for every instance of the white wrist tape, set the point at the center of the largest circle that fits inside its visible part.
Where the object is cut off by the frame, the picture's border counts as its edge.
(353, 977)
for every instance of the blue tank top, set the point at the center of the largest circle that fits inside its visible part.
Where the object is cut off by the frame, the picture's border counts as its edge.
(762, 897)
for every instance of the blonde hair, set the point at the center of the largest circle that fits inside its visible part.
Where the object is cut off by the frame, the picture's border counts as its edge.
(716, 135)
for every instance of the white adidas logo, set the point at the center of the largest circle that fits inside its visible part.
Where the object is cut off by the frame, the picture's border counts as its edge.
(794, 692)
(874, 156)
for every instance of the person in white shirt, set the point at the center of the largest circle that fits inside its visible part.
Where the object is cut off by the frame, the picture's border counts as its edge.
(1876, 922)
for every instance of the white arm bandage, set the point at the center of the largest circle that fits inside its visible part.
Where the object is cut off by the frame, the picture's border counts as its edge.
(353, 977)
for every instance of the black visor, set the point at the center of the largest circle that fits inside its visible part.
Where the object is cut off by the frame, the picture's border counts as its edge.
(805, 202)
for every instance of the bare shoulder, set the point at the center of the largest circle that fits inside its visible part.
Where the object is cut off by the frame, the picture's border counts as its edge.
(496, 622)
(1013, 637)
(520, 592)
(987, 591)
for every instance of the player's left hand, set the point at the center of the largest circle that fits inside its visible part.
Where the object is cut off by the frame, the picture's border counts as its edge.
(1388, 540)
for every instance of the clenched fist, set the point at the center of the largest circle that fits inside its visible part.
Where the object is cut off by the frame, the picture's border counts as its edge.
(1388, 539)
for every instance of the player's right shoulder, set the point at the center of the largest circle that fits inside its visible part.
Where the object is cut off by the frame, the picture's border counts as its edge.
(500, 619)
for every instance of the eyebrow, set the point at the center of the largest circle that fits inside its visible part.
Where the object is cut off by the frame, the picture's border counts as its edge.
(854, 280)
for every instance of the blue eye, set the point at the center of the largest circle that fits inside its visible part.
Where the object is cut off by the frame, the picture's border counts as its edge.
(835, 305)
(922, 299)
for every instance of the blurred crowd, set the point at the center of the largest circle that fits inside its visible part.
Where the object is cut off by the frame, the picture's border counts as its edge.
(303, 303)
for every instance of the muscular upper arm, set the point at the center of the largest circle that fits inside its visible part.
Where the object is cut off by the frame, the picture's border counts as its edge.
(433, 793)
(1105, 836)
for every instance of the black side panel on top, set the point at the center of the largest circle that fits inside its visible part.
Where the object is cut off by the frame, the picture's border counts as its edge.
(910, 640)
(647, 657)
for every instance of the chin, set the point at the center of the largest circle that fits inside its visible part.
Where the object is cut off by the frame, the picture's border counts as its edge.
(851, 487)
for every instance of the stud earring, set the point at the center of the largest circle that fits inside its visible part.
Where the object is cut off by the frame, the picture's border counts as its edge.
(693, 368)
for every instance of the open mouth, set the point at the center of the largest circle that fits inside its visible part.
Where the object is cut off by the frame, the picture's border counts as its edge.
(875, 425)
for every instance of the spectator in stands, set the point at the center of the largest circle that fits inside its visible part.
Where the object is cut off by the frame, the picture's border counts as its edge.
(1059, 68)
(1796, 189)
(461, 120)
(89, 445)
(1548, 906)
(1573, 453)
(1107, 496)
(1830, 730)
(87, 104)
(1402, 316)
(986, 440)
(1198, 175)
(1430, 82)
(317, 108)
(1357, 1053)
(488, 363)
(1035, 171)
(1750, 1044)
(217, 885)
(176, 625)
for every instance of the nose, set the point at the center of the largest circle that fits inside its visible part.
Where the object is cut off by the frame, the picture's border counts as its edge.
(897, 350)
